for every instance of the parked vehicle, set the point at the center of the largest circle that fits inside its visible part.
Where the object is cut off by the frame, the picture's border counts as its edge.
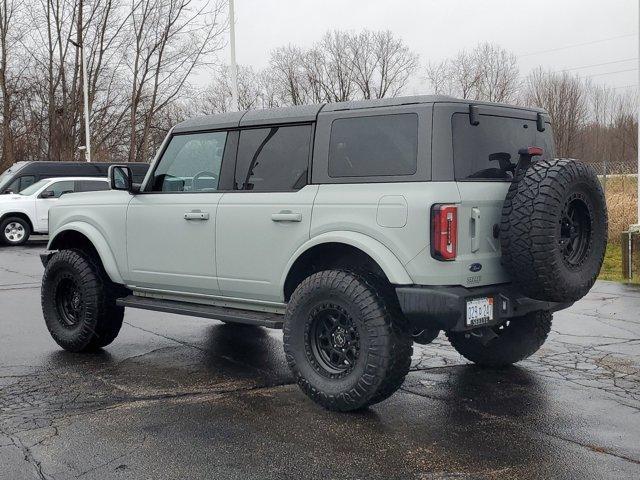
(28, 212)
(361, 227)
(23, 174)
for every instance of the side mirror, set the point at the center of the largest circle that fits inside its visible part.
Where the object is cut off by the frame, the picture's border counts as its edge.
(48, 194)
(120, 178)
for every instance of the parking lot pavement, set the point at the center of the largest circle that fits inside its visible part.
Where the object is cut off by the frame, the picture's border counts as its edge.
(179, 397)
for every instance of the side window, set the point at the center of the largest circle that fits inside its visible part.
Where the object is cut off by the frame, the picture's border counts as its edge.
(382, 145)
(273, 159)
(190, 163)
(91, 186)
(26, 181)
(60, 188)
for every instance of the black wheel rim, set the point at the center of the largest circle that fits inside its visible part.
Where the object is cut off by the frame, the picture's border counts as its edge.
(334, 340)
(69, 301)
(575, 231)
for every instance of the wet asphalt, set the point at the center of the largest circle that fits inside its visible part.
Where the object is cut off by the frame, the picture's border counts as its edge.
(180, 397)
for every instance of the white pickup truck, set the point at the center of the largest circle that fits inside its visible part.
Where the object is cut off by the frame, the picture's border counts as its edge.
(27, 212)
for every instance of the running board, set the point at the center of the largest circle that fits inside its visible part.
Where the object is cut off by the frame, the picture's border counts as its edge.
(231, 315)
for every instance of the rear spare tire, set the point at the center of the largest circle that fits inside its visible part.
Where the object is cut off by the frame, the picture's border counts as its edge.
(553, 230)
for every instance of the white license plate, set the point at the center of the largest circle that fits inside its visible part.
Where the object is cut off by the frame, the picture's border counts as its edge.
(479, 311)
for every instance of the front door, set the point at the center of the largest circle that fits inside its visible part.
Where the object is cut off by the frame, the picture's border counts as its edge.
(171, 224)
(262, 224)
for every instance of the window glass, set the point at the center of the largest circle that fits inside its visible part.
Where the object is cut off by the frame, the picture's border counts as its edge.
(26, 181)
(489, 150)
(374, 146)
(35, 187)
(14, 187)
(91, 185)
(191, 163)
(60, 188)
(273, 159)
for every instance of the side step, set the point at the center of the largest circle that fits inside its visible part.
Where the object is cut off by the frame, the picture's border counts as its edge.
(232, 315)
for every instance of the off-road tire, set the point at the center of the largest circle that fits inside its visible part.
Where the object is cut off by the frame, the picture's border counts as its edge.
(14, 220)
(99, 319)
(533, 227)
(385, 345)
(517, 339)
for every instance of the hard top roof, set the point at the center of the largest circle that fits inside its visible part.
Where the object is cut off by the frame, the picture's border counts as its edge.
(308, 113)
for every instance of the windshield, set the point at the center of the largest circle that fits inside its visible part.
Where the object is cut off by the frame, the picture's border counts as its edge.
(5, 177)
(31, 189)
(489, 150)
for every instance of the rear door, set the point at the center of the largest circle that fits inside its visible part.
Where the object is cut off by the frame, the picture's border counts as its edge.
(484, 156)
(267, 218)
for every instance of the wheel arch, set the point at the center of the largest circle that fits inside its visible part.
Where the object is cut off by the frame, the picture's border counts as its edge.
(331, 249)
(85, 237)
(23, 215)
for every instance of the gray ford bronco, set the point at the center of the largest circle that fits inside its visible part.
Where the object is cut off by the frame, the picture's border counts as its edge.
(358, 227)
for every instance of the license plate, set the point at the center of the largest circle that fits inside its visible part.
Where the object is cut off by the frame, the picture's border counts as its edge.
(479, 311)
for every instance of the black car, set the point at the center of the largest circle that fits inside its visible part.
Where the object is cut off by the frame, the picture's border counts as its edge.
(22, 174)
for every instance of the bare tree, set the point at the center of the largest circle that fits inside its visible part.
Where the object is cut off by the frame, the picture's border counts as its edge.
(171, 40)
(488, 72)
(564, 97)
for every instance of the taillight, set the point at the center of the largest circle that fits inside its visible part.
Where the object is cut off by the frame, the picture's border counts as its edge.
(444, 231)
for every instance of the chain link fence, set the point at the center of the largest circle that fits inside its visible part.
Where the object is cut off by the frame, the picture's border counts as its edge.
(620, 183)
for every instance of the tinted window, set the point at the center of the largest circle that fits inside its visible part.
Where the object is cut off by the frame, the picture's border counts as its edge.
(191, 163)
(381, 145)
(273, 159)
(489, 150)
(60, 188)
(91, 186)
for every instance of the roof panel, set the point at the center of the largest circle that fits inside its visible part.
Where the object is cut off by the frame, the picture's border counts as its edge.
(209, 122)
(300, 113)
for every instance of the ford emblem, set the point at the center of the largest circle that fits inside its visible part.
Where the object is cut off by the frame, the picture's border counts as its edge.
(475, 267)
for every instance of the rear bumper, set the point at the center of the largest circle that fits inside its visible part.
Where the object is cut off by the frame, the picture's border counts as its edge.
(444, 308)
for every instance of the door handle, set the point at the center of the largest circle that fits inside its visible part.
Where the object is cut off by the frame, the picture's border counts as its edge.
(196, 215)
(286, 216)
(475, 229)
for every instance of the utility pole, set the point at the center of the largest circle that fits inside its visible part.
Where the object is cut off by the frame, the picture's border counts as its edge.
(235, 105)
(638, 94)
(85, 86)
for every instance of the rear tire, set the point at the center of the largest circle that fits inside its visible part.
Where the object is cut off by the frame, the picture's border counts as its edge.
(516, 340)
(345, 341)
(79, 302)
(14, 231)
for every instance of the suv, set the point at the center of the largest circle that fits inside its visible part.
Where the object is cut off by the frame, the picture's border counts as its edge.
(27, 212)
(359, 227)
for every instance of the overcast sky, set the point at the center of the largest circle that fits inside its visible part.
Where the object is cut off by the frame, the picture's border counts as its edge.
(436, 29)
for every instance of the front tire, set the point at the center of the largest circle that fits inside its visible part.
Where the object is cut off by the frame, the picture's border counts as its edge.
(345, 340)
(515, 340)
(14, 231)
(79, 302)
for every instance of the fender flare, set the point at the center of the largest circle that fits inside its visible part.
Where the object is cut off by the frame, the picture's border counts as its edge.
(386, 260)
(97, 239)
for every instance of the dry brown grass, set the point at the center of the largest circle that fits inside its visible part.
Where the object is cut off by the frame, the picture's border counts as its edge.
(621, 193)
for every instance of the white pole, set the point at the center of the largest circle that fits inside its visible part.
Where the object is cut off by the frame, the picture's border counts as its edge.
(638, 95)
(234, 72)
(85, 86)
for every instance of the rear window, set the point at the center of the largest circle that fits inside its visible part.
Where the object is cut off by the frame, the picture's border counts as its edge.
(91, 186)
(489, 150)
(376, 146)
